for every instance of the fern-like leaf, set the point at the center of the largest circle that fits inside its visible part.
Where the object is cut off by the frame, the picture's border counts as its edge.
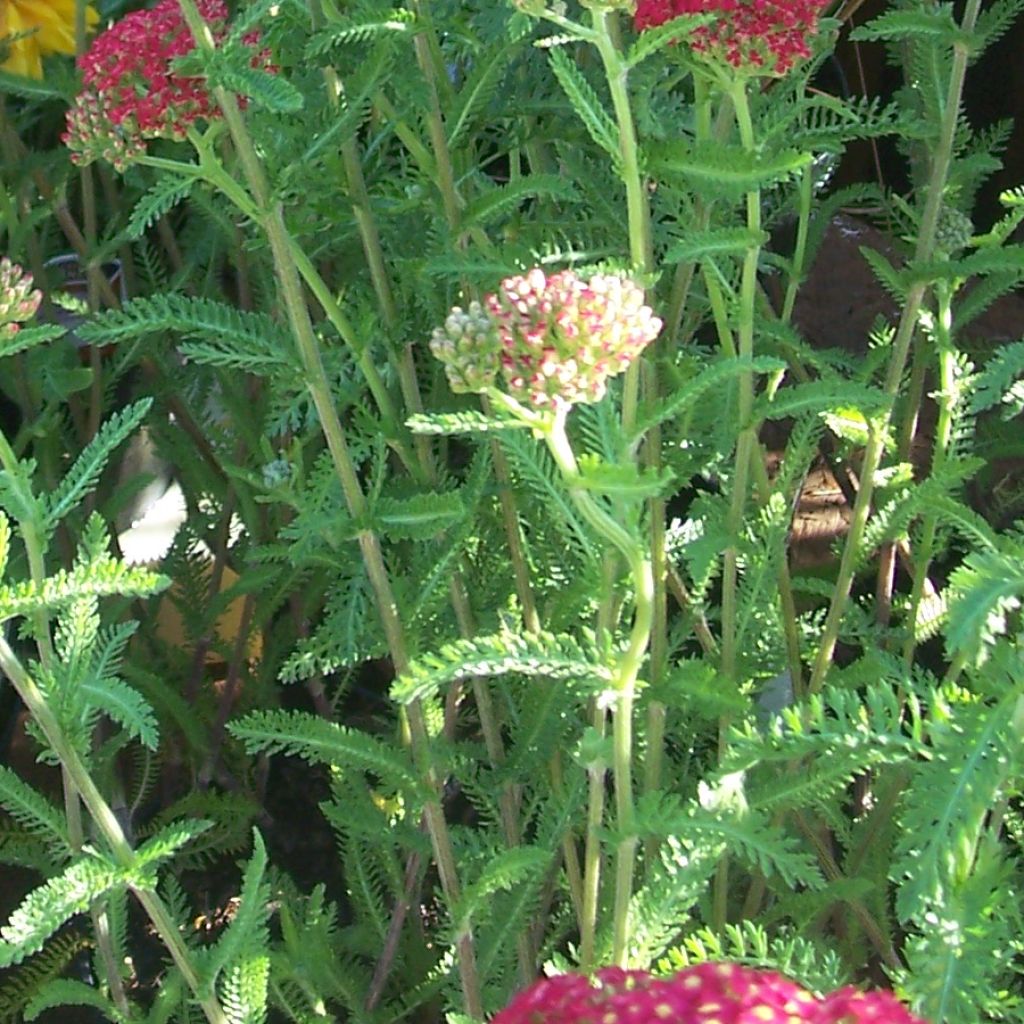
(520, 865)
(239, 954)
(236, 337)
(530, 654)
(45, 909)
(949, 798)
(320, 742)
(66, 992)
(83, 476)
(33, 812)
(587, 104)
(158, 200)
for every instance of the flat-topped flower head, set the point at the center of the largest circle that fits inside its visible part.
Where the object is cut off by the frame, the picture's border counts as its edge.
(851, 1006)
(548, 341)
(761, 37)
(131, 91)
(19, 301)
(611, 996)
(562, 337)
(716, 993)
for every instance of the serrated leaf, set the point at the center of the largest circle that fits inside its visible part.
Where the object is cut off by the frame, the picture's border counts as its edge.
(45, 909)
(477, 92)
(531, 654)
(124, 705)
(420, 517)
(83, 476)
(986, 589)
(250, 917)
(820, 397)
(971, 758)
(253, 335)
(33, 811)
(654, 40)
(722, 168)
(270, 91)
(321, 742)
(168, 841)
(468, 422)
(103, 577)
(28, 337)
(63, 992)
(586, 103)
(157, 201)
(714, 375)
(505, 870)
(625, 482)
(698, 245)
(503, 199)
(929, 23)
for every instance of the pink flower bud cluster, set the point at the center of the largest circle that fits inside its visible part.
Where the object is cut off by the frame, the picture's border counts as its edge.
(130, 91)
(555, 340)
(762, 37)
(561, 337)
(720, 993)
(19, 301)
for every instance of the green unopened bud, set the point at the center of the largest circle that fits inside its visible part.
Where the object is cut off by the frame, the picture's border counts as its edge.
(468, 346)
(954, 230)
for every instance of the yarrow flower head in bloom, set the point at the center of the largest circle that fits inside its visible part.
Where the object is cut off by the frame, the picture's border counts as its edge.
(131, 91)
(36, 28)
(763, 37)
(721, 993)
(19, 301)
(555, 340)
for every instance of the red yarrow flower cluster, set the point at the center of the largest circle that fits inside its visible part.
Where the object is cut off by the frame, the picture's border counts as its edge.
(130, 90)
(721, 993)
(19, 301)
(756, 36)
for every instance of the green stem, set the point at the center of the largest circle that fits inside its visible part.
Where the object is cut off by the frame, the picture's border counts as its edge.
(641, 247)
(746, 448)
(745, 400)
(626, 673)
(283, 248)
(941, 159)
(947, 402)
(445, 173)
(796, 269)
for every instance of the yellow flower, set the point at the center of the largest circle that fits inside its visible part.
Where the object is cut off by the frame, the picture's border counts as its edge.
(44, 27)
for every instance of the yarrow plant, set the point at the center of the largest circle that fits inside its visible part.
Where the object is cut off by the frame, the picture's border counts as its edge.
(19, 301)
(710, 993)
(556, 340)
(544, 666)
(131, 89)
(756, 36)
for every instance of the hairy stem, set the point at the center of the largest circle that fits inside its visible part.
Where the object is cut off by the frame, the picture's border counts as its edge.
(948, 400)
(284, 251)
(624, 681)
